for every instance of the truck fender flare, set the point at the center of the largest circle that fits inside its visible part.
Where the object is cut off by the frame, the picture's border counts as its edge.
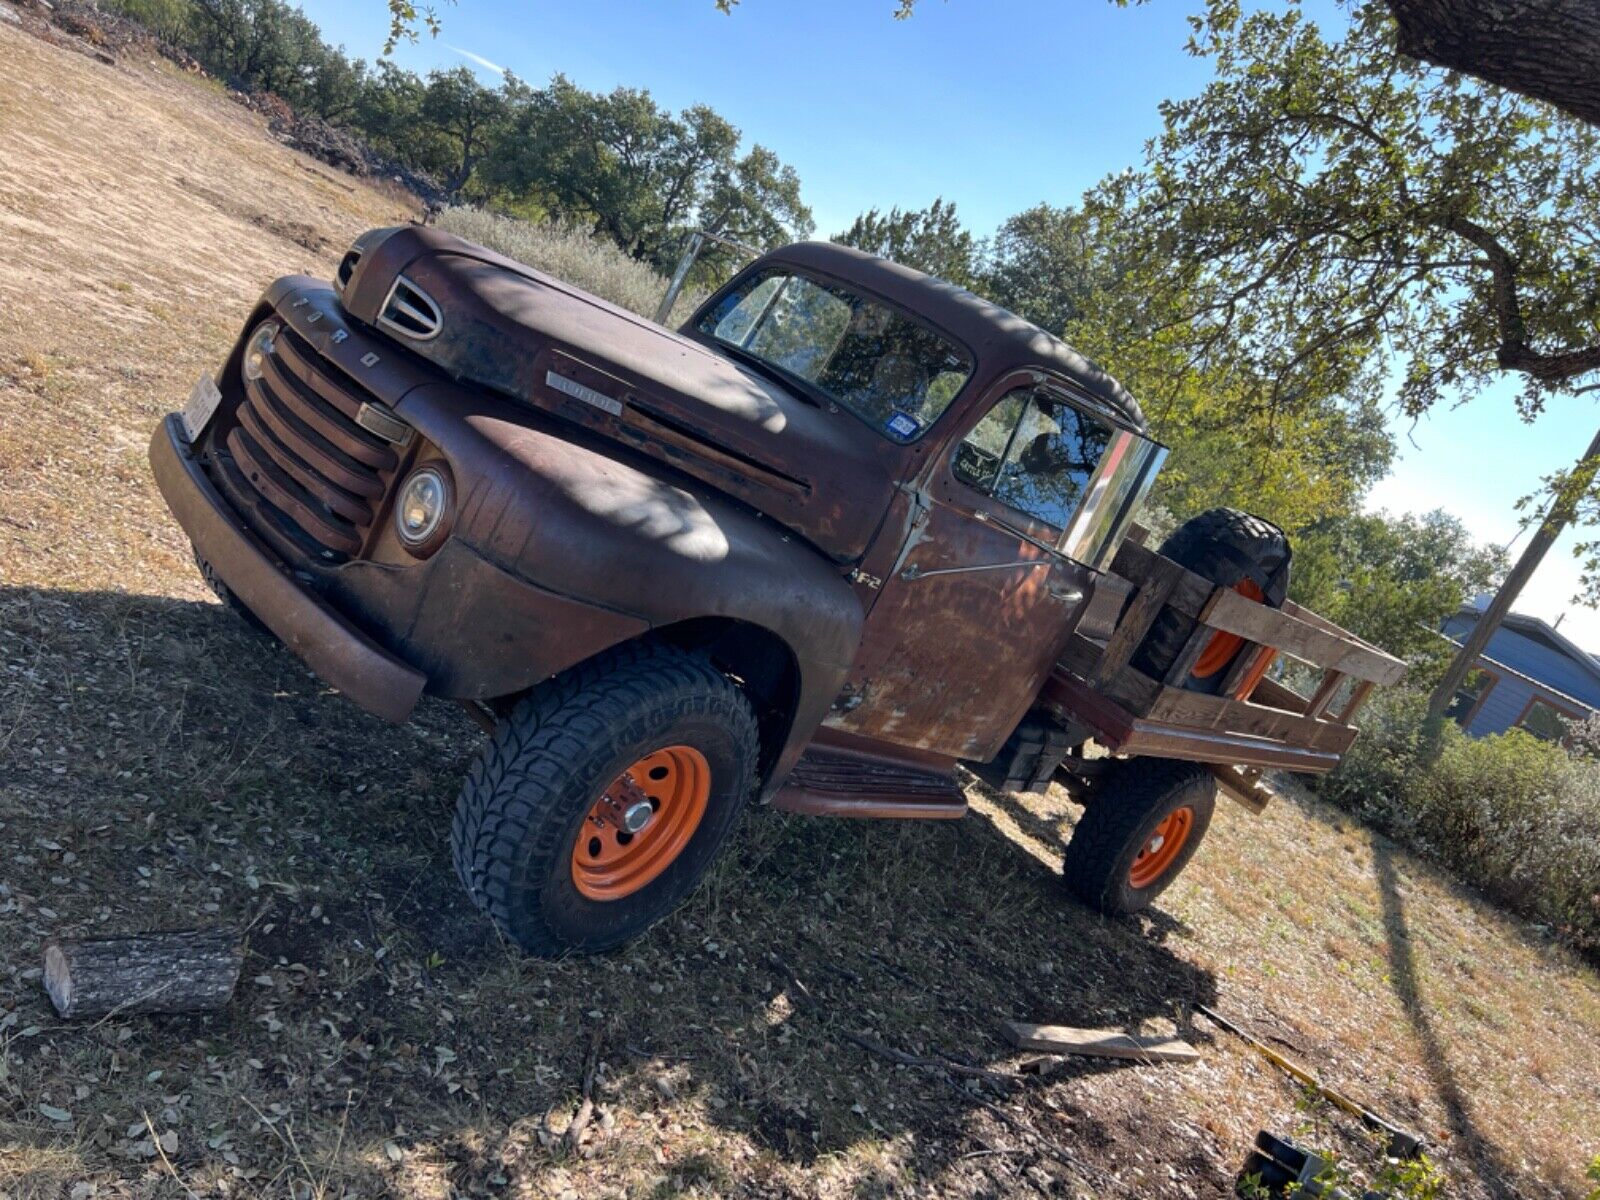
(584, 522)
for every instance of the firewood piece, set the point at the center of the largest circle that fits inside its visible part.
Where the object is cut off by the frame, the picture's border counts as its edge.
(580, 1119)
(181, 971)
(1099, 1043)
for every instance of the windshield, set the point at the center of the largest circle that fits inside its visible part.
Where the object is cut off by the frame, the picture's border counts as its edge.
(893, 373)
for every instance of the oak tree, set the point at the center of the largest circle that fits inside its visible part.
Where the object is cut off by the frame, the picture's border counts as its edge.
(931, 239)
(1335, 212)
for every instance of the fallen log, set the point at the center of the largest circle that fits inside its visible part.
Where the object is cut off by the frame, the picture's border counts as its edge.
(1099, 1043)
(182, 971)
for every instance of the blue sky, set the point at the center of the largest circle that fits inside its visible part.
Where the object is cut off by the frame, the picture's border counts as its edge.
(994, 104)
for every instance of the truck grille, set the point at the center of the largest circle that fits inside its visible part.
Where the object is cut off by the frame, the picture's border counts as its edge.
(298, 447)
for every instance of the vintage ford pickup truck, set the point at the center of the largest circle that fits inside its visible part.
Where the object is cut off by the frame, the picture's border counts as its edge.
(846, 530)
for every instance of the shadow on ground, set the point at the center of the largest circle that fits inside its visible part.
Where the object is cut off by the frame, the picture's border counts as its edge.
(1487, 1161)
(170, 767)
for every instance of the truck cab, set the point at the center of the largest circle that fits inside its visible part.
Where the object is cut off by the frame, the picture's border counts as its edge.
(817, 547)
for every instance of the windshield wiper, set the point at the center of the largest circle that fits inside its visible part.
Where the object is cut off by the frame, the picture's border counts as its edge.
(762, 367)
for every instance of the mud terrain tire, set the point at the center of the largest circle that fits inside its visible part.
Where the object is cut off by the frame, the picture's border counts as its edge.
(1133, 801)
(532, 793)
(1228, 547)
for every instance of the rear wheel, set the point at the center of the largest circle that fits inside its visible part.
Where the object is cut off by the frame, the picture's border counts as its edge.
(1143, 825)
(603, 797)
(1236, 550)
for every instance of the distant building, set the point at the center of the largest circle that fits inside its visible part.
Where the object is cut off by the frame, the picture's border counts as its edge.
(1530, 676)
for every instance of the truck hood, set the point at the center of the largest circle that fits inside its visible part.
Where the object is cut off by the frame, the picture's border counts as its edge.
(489, 321)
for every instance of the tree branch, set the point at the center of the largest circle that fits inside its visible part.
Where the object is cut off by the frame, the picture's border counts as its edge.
(1514, 353)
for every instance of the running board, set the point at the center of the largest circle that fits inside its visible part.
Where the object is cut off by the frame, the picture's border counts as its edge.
(828, 783)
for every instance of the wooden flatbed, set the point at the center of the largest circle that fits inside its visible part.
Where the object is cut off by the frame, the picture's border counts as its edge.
(1254, 722)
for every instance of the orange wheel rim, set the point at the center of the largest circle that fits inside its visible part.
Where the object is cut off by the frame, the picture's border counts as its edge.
(1222, 647)
(1254, 675)
(1162, 848)
(641, 823)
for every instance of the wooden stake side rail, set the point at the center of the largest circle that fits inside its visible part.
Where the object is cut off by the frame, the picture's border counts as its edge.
(1272, 726)
(1290, 630)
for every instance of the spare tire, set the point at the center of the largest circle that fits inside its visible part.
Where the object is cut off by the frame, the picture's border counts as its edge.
(1230, 548)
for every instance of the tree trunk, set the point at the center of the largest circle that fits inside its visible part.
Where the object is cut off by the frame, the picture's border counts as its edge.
(142, 973)
(1556, 520)
(1547, 49)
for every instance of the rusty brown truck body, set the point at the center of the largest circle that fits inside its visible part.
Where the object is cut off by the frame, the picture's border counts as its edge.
(848, 529)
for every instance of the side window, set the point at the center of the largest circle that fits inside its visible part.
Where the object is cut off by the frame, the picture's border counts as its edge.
(978, 457)
(1034, 452)
(1472, 690)
(1546, 721)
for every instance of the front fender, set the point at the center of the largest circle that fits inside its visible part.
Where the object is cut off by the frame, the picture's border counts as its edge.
(575, 519)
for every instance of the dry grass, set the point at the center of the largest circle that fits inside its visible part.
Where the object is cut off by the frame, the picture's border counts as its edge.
(165, 766)
(572, 253)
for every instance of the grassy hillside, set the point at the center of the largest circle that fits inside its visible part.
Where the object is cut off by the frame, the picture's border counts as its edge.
(163, 766)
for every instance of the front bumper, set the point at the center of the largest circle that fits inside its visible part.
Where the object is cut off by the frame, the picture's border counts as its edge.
(338, 652)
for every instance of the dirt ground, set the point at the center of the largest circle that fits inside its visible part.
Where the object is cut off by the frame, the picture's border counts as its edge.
(163, 766)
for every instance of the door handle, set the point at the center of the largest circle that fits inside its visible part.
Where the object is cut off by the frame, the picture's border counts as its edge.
(1067, 595)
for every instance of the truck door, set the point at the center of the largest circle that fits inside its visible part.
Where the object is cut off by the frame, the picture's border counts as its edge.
(982, 598)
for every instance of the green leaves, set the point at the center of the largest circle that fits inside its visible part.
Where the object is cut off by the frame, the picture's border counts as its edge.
(614, 162)
(643, 176)
(930, 239)
(404, 17)
(1328, 204)
(1392, 580)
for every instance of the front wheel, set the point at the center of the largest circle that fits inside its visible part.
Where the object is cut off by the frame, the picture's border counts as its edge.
(603, 798)
(1142, 826)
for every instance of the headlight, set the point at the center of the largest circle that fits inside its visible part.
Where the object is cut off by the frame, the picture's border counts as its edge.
(257, 349)
(421, 508)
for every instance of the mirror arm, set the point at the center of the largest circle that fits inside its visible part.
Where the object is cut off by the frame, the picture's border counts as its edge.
(916, 572)
(990, 519)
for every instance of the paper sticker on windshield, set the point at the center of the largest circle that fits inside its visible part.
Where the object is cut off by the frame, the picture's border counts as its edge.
(903, 426)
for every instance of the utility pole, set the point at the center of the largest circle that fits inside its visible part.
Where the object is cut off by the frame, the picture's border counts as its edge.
(1557, 519)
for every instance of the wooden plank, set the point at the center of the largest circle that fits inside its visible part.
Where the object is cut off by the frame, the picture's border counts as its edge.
(1081, 656)
(1137, 563)
(1132, 689)
(1243, 786)
(1188, 656)
(1135, 706)
(1100, 1043)
(1137, 619)
(1275, 695)
(1323, 696)
(1301, 613)
(1196, 709)
(1308, 642)
(1071, 699)
(1357, 699)
(1207, 746)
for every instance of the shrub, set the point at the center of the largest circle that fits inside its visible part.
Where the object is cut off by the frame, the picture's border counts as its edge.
(569, 252)
(1512, 814)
